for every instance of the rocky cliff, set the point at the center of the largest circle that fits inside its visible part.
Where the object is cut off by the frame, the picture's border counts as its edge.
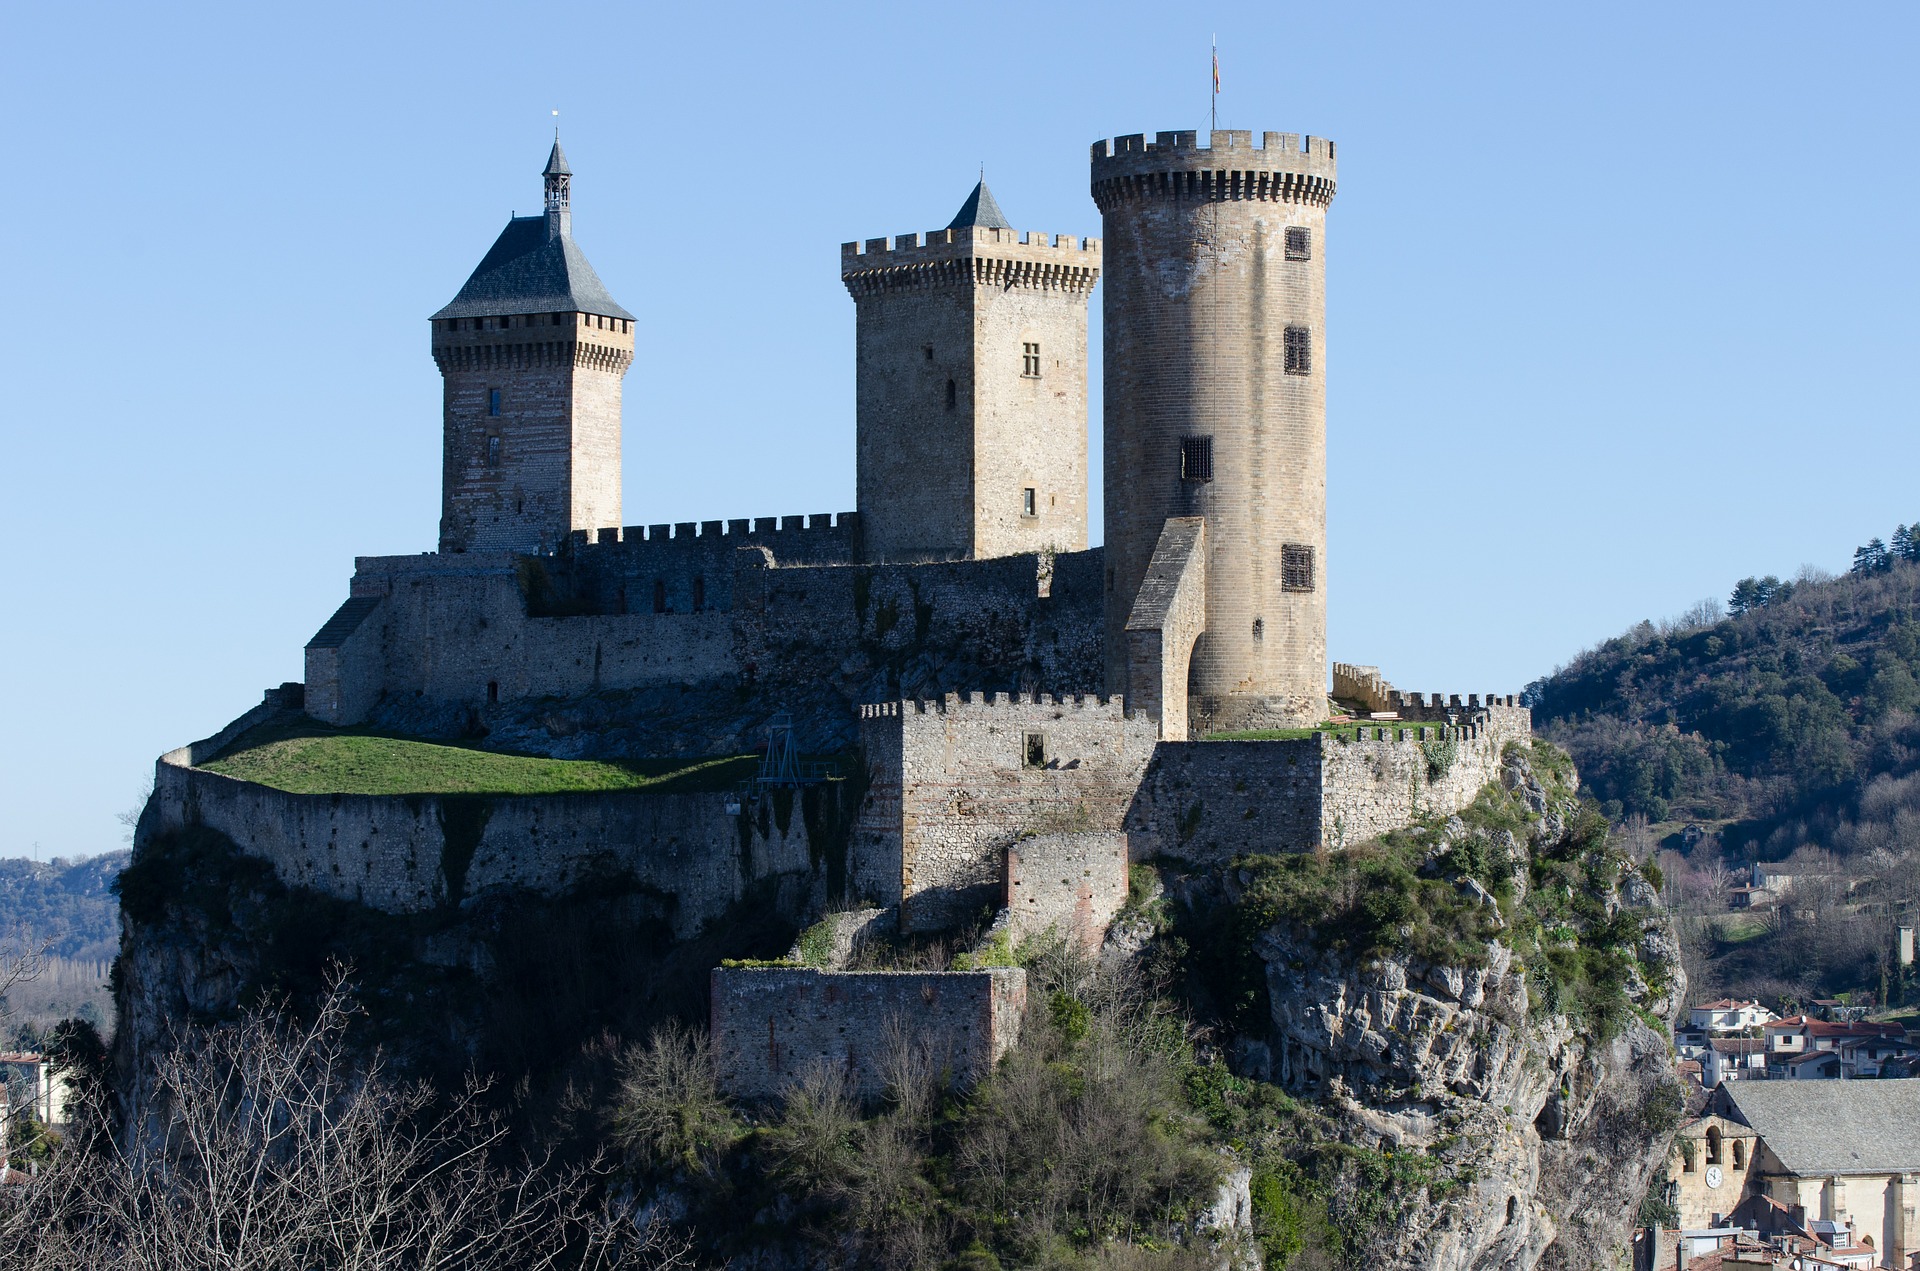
(1474, 1015)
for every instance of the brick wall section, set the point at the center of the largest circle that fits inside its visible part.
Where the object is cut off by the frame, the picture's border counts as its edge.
(941, 475)
(1070, 884)
(967, 791)
(1199, 294)
(391, 852)
(557, 464)
(772, 1026)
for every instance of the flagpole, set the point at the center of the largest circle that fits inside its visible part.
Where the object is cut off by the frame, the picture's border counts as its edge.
(1213, 102)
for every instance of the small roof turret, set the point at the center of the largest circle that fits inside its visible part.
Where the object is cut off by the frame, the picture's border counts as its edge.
(981, 210)
(557, 162)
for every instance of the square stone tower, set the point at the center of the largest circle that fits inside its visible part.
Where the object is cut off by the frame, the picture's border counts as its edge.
(531, 352)
(972, 388)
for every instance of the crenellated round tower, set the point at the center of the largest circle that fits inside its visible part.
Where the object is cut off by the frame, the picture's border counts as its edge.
(1215, 408)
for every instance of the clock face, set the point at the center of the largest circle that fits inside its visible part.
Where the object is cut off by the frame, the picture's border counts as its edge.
(1713, 1176)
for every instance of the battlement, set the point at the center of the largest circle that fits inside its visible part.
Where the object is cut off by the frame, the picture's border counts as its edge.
(1285, 167)
(817, 526)
(971, 254)
(1438, 706)
(978, 705)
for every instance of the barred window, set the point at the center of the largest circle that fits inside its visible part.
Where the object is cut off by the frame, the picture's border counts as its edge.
(1296, 567)
(1028, 502)
(1299, 243)
(1196, 458)
(1030, 360)
(1299, 351)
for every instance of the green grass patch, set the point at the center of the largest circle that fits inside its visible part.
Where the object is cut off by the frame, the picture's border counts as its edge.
(310, 758)
(1739, 928)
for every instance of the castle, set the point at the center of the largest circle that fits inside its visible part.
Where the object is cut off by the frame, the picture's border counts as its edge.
(1029, 713)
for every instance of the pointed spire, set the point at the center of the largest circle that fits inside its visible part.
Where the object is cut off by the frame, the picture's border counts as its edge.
(559, 179)
(981, 209)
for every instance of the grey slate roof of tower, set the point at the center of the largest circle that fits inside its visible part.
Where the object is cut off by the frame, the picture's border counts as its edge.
(1834, 1127)
(980, 209)
(557, 162)
(525, 272)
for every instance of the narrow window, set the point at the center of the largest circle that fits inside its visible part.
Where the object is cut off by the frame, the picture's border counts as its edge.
(493, 452)
(493, 402)
(953, 394)
(1299, 243)
(1299, 351)
(1296, 567)
(1739, 1155)
(1196, 458)
(493, 690)
(699, 594)
(1713, 1145)
(1259, 630)
(929, 353)
(1030, 361)
(1036, 750)
(559, 319)
(659, 596)
(1027, 502)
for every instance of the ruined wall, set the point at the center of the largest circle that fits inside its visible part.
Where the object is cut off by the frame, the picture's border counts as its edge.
(1388, 777)
(1070, 884)
(979, 774)
(771, 1026)
(410, 853)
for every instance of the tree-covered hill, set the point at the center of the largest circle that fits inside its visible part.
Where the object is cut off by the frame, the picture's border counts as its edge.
(70, 903)
(1788, 726)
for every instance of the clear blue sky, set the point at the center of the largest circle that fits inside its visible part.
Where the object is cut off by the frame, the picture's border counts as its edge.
(1621, 298)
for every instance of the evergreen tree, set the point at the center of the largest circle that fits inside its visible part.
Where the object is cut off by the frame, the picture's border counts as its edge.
(1871, 559)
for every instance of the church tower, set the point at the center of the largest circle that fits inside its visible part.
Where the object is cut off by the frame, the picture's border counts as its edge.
(531, 352)
(971, 348)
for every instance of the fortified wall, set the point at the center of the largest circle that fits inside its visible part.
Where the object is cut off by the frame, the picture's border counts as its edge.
(698, 852)
(769, 603)
(771, 1026)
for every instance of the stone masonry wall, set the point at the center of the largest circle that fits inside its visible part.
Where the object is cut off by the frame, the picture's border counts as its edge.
(410, 853)
(975, 777)
(1071, 884)
(772, 1026)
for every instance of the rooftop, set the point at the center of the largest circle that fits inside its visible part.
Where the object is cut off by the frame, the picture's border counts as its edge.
(1833, 1127)
(526, 271)
(980, 209)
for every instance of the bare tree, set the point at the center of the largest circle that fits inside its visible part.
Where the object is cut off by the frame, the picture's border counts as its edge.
(262, 1145)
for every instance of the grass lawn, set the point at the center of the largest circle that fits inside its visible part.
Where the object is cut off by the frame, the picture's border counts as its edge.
(1738, 928)
(310, 758)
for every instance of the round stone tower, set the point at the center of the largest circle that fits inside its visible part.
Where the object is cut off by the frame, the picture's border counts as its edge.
(1216, 408)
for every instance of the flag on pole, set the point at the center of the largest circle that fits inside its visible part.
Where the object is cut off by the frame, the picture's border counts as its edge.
(1216, 69)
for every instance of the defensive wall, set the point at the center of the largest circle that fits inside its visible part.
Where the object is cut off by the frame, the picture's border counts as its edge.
(772, 1026)
(953, 784)
(478, 629)
(958, 788)
(1068, 884)
(413, 853)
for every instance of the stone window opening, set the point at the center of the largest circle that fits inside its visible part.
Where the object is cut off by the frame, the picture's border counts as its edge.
(493, 402)
(699, 594)
(1296, 567)
(1513, 1209)
(493, 452)
(1299, 243)
(1196, 458)
(659, 595)
(559, 318)
(1739, 1154)
(1030, 361)
(1713, 1145)
(953, 394)
(1029, 503)
(1299, 351)
(1259, 630)
(1035, 750)
(929, 352)
(493, 690)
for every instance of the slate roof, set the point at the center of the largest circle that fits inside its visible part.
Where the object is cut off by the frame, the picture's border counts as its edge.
(980, 209)
(557, 162)
(1834, 1127)
(526, 272)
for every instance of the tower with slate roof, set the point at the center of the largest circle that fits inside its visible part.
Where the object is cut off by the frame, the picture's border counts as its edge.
(971, 404)
(531, 352)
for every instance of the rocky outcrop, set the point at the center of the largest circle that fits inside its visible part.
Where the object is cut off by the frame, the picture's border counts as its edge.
(1543, 1132)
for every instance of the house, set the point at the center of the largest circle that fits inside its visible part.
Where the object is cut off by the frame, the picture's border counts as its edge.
(1798, 1035)
(1867, 1056)
(1815, 1065)
(33, 1090)
(1728, 1016)
(1731, 1058)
